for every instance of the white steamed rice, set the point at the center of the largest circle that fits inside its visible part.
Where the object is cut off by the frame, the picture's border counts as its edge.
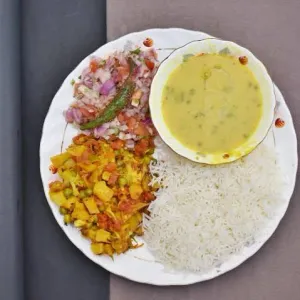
(204, 214)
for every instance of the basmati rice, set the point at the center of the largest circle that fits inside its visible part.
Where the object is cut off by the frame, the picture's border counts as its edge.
(204, 214)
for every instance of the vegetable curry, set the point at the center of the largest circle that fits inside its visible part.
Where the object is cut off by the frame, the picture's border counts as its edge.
(103, 189)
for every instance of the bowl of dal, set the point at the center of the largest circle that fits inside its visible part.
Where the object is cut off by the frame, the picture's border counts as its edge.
(212, 101)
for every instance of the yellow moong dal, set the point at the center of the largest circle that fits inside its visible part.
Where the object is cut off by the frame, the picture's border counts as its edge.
(212, 103)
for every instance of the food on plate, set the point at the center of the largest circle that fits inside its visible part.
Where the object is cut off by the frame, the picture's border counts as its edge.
(103, 189)
(279, 123)
(204, 214)
(113, 108)
(212, 103)
(108, 178)
(103, 185)
(148, 42)
(112, 95)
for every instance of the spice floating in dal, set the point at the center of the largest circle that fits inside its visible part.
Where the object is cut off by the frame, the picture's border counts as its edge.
(212, 103)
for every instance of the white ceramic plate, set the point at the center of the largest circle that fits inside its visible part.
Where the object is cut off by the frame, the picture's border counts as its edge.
(139, 265)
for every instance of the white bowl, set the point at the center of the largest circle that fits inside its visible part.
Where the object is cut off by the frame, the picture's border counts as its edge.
(212, 45)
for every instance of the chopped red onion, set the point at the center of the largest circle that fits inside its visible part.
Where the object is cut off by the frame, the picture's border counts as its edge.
(135, 137)
(123, 127)
(77, 115)
(111, 131)
(87, 132)
(128, 136)
(114, 123)
(122, 60)
(85, 100)
(112, 92)
(136, 71)
(144, 110)
(103, 75)
(122, 136)
(107, 87)
(110, 62)
(130, 113)
(139, 84)
(88, 81)
(147, 121)
(137, 62)
(130, 144)
(144, 98)
(69, 115)
(100, 130)
(150, 130)
(97, 86)
(115, 76)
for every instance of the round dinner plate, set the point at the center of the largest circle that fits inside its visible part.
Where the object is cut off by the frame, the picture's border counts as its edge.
(139, 264)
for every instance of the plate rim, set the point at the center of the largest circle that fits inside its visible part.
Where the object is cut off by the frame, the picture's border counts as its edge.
(91, 256)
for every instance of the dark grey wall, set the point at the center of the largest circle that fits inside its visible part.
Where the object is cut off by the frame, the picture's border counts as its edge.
(56, 36)
(11, 253)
